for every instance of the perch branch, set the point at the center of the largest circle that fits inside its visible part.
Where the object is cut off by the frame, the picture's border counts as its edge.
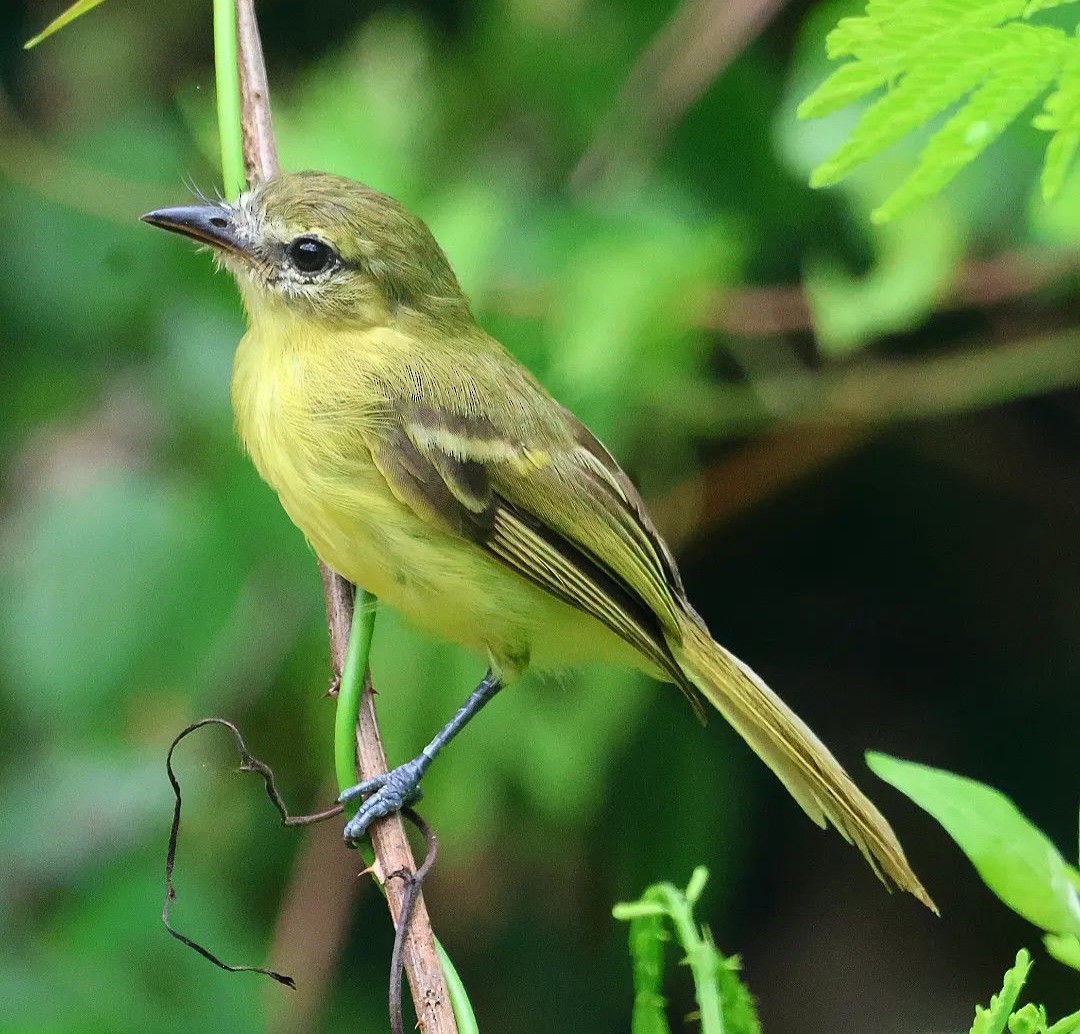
(393, 853)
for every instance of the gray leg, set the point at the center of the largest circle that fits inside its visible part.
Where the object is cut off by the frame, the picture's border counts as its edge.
(399, 787)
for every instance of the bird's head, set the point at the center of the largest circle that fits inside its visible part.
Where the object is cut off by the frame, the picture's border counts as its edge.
(323, 247)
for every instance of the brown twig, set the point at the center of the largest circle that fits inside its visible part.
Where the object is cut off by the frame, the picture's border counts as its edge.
(260, 146)
(785, 308)
(312, 925)
(692, 48)
(413, 882)
(757, 472)
(392, 851)
(977, 284)
(815, 420)
(885, 391)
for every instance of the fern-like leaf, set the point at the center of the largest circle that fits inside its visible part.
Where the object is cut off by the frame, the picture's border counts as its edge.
(1061, 116)
(993, 1018)
(979, 57)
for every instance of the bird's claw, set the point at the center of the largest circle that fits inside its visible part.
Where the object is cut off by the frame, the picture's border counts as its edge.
(383, 795)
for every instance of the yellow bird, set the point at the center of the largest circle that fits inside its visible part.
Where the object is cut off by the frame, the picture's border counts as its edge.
(424, 463)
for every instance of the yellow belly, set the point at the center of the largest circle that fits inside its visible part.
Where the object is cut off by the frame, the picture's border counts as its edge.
(333, 492)
(443, 584)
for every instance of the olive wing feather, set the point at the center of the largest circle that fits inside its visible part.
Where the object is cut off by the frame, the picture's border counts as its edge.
(557, 510)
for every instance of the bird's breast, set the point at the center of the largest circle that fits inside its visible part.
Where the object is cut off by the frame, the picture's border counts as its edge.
(309, 442)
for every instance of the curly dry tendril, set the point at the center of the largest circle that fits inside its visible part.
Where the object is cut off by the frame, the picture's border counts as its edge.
(250, 763)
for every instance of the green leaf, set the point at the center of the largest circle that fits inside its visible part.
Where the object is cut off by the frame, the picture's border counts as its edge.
(954, 65)
(1025, 62)
(992, 1020)
(1064, 948)
(725, 1006)
(698, 878)
(1014, 858)
(1031, 1019)
(1061, 116)
(626, 911)
(76, 10)
(1034, 6)
(1066, 1025)
(740, 1010)
(845, 85)
(916, 257)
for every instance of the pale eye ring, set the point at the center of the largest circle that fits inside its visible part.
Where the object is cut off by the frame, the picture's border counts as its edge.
(310, 255)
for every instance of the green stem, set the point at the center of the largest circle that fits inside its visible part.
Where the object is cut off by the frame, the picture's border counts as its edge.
(227, 73)
(700, 957)
(459, 997)
(350, 693)
(351, 690)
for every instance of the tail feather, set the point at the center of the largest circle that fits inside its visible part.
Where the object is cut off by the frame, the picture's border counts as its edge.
(801, 761)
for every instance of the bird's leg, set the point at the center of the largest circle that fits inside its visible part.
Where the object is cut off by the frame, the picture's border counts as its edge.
(400, 787)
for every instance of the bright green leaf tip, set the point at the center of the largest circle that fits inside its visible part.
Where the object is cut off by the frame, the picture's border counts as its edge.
(823, 176)
(1014, 858)
(993, 1019)
(697, 883)
(1031, 1019)
(1064, 948)
(73, 12)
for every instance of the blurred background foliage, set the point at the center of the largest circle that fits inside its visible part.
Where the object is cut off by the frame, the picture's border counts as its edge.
(862, 440)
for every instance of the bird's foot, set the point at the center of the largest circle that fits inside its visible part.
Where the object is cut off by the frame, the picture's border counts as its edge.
(383, 795)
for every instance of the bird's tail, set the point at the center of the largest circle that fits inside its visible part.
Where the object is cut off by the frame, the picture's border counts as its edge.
(802, 762)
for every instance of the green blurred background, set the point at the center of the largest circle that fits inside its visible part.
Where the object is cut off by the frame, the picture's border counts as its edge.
(862, 441)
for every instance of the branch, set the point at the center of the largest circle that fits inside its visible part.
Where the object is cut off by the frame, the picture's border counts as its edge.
(977, 284)
(778, 309)
(393, 854)
(690, 51)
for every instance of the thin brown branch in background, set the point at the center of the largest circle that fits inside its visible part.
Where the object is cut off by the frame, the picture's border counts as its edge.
(757, 472)
(312, 926)
(691, 49)
(785, 308)
(392, 851)
(978, 283)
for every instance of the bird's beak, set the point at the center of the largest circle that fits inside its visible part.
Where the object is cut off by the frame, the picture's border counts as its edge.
(210, 224)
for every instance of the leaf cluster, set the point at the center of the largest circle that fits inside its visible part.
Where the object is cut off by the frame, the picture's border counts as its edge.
(1002, 1015)
(985, 60)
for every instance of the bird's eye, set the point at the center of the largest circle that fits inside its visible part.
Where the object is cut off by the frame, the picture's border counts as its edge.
(310, 255)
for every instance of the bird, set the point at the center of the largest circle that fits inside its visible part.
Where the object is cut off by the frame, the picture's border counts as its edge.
(424, 463)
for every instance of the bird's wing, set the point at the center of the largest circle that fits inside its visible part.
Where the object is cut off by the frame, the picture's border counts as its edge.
(557, 509)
